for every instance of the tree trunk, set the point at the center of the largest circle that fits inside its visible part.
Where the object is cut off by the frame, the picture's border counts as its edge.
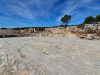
(66, 28)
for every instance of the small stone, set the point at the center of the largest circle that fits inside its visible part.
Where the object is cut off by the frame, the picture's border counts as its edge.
(90, 36)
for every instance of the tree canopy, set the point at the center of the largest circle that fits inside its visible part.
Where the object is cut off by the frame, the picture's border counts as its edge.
(97, 19)
(65, 19)
(89, 20)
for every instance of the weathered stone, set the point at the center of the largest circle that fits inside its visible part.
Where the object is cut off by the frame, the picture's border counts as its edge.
(90, 36)
(82, 36)
(50, 56)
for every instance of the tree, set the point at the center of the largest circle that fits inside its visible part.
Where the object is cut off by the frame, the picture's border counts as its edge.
(65, 19)
(97, 19)
(89, 20)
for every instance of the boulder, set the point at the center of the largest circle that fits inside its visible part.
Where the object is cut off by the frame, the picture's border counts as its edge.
(90, 37)
(82, 36)
(98, 27)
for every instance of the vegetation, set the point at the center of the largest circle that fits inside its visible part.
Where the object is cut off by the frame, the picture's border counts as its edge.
(81, 26)
(97, 19)
(89, 20)
(65, 19)
(3, 28)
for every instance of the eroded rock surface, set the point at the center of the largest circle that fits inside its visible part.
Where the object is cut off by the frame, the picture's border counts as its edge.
(49, 56)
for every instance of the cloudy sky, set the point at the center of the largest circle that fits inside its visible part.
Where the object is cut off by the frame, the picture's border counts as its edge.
(19, 13)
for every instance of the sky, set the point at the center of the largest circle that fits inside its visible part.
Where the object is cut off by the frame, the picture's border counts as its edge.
(33, 13)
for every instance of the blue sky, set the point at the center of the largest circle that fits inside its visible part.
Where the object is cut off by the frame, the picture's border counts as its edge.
(27, 13)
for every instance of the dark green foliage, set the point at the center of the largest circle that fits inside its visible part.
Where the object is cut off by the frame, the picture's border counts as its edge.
(65, 19)
(89, 20)
(97, 19)
(3, 28)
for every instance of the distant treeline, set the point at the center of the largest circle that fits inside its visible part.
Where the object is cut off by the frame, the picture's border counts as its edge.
(17, 28)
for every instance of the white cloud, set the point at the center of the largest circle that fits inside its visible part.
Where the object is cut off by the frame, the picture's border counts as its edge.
(75, 4)
(71, 6)
(24, 9)
(25, 13)
(37, 9)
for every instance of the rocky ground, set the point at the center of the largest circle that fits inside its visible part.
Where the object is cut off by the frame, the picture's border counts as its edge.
(49, 56)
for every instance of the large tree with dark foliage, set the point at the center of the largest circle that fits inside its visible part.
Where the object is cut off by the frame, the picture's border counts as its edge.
(89, 20)
(97, 19)
(65, 19)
